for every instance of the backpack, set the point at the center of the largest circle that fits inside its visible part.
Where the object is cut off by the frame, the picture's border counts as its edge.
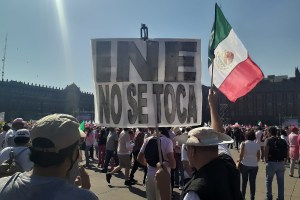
(262, 137)
(11, 166)
(277, 149)
(151, 152)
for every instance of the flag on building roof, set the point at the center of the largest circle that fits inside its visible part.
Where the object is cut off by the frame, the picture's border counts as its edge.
(259, 123)
(233, 71)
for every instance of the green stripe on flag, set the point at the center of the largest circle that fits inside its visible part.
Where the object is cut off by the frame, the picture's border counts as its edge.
(219, 32)
(81, 127)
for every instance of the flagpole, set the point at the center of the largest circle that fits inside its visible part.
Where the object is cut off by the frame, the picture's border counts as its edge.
(213, 58)
(158, 136)
(212, 75)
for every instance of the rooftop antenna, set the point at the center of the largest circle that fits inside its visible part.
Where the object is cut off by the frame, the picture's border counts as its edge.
(3, 59)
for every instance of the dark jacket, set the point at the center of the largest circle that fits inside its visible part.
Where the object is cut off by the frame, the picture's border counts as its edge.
(219, 179)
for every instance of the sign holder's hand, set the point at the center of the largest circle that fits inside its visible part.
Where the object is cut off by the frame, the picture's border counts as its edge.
(163, 182)
(83, 180)
(216, 122)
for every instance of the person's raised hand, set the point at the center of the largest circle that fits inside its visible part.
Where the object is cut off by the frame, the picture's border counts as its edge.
(212, 98)
(163, 182)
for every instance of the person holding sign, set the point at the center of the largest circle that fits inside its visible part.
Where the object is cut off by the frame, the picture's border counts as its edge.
(149, 157)
(211, 168)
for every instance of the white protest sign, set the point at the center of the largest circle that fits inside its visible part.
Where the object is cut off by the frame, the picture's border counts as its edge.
(147, 83)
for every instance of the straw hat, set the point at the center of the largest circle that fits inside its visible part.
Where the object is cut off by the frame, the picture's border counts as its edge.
(204, 136)
(176, 130)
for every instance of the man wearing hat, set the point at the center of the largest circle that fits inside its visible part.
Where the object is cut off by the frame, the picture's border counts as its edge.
(17, 124)
(54, 153)
(215, 176)
(21, 151)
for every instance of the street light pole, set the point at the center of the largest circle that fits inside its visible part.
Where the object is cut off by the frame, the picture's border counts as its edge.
(3, 59)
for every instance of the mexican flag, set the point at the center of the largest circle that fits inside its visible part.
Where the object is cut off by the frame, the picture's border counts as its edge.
(259, 123)
(233, 71)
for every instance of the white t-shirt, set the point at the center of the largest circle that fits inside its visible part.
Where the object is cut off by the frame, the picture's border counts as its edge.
(124, 147)
(9, 138)
(2, 138)
(286, 138)
(258, 135)
(184, 157)
(22, 159)
(166, 147)
(172, 135)
(191, 196)
(250, 152)
(222, 148)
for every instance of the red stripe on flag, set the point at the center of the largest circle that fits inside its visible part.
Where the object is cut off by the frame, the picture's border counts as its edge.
(242, 79)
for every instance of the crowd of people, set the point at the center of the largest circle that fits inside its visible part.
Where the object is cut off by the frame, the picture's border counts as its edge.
(275, 146)
(189, 158)
(48, 158)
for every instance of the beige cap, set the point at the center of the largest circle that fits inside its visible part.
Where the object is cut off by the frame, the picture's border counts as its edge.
(176, 130)
(204, 136)
(60, 130)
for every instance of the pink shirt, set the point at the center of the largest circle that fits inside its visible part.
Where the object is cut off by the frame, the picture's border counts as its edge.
(293, 140)
(89, 140)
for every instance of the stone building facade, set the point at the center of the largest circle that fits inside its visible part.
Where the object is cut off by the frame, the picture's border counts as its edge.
(272, 101)
(18, 99)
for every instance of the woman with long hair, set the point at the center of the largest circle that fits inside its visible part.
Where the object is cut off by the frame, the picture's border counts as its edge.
(249, 157)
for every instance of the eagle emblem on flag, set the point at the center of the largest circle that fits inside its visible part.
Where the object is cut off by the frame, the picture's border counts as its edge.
(223, 59)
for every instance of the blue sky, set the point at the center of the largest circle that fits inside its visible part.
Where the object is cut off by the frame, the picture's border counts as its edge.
(49, 40)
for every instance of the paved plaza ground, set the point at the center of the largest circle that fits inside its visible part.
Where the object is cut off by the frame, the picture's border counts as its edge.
(118, 191)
